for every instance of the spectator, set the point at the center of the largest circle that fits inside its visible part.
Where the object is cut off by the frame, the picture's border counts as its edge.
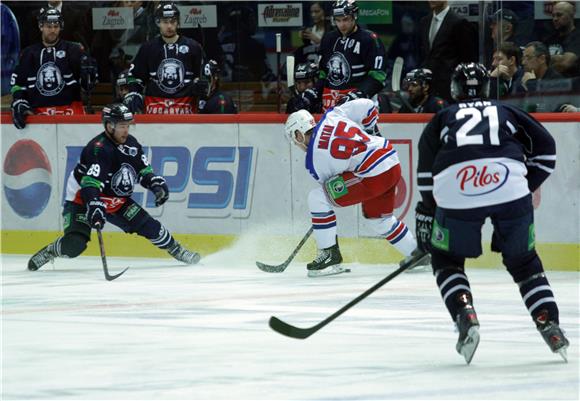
(503, 25)
(165, 67)
(211, 99)
(50, 74)
(312, 36)
(507, 72)
(564, 44)
(446, 40)
(304, 95)
(536, 63)
(417, 83)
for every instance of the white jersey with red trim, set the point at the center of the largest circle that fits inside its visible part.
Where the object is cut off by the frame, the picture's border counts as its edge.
(339, 143)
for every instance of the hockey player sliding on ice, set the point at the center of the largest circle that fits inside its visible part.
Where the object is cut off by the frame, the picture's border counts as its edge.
(352, 167)
(99, 189)
(480, 158)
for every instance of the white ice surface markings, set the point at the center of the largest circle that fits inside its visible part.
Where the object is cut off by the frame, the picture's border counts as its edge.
(165, 331)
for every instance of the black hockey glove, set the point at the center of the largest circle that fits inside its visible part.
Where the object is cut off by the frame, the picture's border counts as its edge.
(423, 226)
(96, 210)
(89, 73)
(20, 109)
(134, 101)
(309, 98)
(200, 87)
(351, 96)
(160, 189)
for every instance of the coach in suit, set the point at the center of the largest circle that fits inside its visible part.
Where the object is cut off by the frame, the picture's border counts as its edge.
(446, 40)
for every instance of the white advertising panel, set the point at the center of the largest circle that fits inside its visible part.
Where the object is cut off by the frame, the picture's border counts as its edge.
(279, 14)
(194, 16)
(109, 18)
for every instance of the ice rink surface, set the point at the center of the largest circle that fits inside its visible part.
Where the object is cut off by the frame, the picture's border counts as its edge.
(167, 331)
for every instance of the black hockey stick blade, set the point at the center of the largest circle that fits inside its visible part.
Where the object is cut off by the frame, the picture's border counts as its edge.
(302, 333)
(280, 268)
(109, 277)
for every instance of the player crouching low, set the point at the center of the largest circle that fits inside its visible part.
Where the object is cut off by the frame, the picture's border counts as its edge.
(100, 188)
(352, 167)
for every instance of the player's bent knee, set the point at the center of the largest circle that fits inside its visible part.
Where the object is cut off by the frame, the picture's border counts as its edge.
(523, 266)
(150, 228)
(72, 245)
(318, 201)
(382, 225)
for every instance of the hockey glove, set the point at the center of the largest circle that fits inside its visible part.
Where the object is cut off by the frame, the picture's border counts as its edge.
(423, 226)
(89, 73)
(200, 87)
(96, 210)
(351, 96)
(134, 101)
(20, 109)
(309, 98)
(159, 188)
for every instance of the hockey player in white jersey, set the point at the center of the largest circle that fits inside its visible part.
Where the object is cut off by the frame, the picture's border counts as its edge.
(352, 167)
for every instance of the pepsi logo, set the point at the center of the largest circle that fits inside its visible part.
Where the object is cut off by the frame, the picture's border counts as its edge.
(27, 178)
(477, 180)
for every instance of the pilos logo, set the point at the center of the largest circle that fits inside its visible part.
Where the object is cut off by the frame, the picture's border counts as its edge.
(477, 180)
(27, 178)
(280, 14)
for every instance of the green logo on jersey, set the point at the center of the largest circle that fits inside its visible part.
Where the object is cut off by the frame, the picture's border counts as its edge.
(336, 187)
(131, 211)
(66, 222)
(440, 237)
(531, 237)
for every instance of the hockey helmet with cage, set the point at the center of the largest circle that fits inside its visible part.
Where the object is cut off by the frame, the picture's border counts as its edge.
(419, 76)
(301, 121)
(342, 8)
(116, 113)
(50, 16)
(470, 81)
(166, 10)
(306, 71)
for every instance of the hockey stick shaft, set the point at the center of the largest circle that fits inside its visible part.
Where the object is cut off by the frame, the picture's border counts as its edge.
(280, 268)
(290, 71)
(302, 333)
(396, 81)
(278, 71)
(108, 276)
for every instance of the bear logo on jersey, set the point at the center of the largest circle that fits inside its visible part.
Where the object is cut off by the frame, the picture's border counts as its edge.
(170, 74)
(49, 80)
(338, 69)
(124, 180)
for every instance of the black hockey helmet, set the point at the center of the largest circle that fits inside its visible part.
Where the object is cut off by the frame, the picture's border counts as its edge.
(51, 16)
(122, 78)
(211, 69)
(306, 71)
(115, 113)
(344, 7)
(166, 10)
(470, 81)
(420, 76)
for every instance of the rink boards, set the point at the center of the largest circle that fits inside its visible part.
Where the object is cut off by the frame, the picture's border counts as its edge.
(238, 175)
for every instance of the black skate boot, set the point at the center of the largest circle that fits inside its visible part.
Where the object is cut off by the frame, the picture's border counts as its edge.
(552, 334)
(468, 326)
(42, 257)
(183, 255)
(418, 261)
(327, 263)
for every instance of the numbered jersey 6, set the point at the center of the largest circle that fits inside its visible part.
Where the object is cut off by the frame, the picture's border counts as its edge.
(339, 144)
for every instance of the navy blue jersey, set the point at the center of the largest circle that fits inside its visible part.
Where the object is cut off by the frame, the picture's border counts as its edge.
(218, 103)
(433, 104)
(108, 169)
(482, 153)
(48, 76)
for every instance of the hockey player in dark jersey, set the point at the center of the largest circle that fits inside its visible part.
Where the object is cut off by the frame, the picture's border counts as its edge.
(352, 58)
(121, 86)
(50, 74)
(417, 83)
(305, 97)
(481, 158)
(164, 68)
(211, 99)
(99, 189)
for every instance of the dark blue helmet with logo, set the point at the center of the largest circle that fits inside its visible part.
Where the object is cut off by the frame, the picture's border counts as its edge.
(341, 8)
(115, 113)
(470, 81)
(50, 16)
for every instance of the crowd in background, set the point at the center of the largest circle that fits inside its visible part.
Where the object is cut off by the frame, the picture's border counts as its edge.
(533, 62)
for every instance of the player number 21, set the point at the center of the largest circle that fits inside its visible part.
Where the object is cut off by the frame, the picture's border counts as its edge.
(463, 135)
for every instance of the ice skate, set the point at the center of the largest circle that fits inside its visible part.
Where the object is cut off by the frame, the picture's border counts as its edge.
(183, 255)
(552, 335)
(419, 261)
(327, 263)
(468, 326)
(42, 257)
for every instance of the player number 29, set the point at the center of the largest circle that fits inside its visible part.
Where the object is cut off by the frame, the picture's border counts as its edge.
(463, 135)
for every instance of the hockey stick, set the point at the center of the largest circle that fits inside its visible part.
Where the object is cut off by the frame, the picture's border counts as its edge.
(280, 268)
(396, 81)
(104, 259)
(290, 72)
(301, 333)
(278, 71)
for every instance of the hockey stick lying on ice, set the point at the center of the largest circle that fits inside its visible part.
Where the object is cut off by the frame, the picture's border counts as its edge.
(283, 266)
(300, 333)
(104, 259)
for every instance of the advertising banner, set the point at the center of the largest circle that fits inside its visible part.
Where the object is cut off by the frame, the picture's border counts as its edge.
(109, 18)
(279, 14)
(194, 16)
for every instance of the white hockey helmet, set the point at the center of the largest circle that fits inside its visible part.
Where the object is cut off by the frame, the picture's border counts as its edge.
(300, 120)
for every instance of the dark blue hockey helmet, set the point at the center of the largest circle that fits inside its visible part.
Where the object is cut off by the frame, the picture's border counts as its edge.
(341, 8)
(211, 69)
(470, 81)
(306, 71)
(115, 113)
(50, 16)
(418, 76)
(166, 10)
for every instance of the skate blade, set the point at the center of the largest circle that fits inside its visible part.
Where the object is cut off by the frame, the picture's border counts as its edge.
(329, 271)
(469, 346)
(563, 353)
